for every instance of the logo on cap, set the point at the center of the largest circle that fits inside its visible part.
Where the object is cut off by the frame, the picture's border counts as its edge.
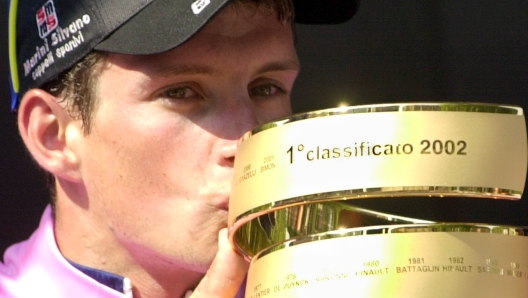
(199, 5)
(46, 19)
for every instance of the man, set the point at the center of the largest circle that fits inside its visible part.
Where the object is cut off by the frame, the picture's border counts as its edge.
(134, 109)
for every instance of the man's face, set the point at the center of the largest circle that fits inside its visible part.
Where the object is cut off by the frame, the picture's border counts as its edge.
(157, 164)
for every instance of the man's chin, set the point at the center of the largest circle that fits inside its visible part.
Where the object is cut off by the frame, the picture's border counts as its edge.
(201, 262)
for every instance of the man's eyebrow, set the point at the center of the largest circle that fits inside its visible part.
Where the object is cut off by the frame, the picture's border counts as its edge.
(280, 66)
(167, 69)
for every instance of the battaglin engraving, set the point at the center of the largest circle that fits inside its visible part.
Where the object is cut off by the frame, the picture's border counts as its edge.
(413, 269)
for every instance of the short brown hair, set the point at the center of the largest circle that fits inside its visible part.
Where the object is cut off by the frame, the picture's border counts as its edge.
(76, 87)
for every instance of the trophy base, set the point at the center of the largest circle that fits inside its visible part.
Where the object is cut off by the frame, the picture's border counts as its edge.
(415, 260)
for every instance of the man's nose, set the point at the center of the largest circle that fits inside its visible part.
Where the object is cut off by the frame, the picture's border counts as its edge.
(242, 116)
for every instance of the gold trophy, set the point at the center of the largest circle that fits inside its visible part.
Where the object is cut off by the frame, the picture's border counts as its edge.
(292, 211)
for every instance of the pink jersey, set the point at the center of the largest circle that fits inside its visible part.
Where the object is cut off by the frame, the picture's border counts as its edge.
(36, 268)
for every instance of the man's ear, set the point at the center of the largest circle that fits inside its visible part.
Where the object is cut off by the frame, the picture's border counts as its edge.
(50, 134)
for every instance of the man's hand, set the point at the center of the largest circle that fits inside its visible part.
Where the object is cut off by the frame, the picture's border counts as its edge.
(226, 274)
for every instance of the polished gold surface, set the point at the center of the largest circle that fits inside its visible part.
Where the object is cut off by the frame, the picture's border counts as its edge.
(399, 107)
(419, 149)
(385, 192)
(269, 231)
(419, 261)
(292, 211)
(369, 228)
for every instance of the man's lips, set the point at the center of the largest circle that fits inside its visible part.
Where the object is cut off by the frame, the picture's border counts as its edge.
(224, 205)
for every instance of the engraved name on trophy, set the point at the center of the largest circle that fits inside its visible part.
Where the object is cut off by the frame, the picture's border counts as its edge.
(292, 207)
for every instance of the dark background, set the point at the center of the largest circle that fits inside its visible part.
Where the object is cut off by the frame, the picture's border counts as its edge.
(392, 51)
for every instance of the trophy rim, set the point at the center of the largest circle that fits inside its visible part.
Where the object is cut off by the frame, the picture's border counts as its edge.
(386, 192)
(468, 107)
(441, 227)
(283, 227)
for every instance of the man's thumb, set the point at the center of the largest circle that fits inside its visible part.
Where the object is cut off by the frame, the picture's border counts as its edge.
(226, 274)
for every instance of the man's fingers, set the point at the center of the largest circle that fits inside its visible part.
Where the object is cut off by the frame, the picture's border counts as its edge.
(226, 274)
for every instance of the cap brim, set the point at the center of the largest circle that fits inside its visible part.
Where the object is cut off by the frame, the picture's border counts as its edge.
(161, 25)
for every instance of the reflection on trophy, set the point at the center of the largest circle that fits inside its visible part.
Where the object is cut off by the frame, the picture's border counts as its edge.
(292, 210)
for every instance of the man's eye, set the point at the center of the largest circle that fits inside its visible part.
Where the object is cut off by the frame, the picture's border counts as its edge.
(264, 90)
(180, 93)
